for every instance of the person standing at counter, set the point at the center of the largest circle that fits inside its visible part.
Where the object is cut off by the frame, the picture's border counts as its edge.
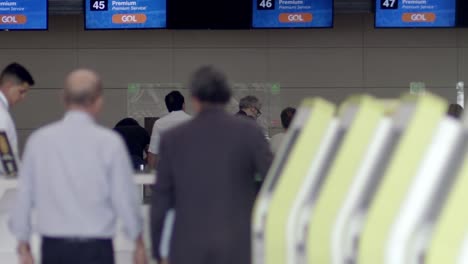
(287, 116)
(77, 177)
(249, 107)
(206, 171)
(175, 103)
(15, 82)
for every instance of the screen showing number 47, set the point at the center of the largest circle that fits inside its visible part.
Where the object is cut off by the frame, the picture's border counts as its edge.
(388, 4)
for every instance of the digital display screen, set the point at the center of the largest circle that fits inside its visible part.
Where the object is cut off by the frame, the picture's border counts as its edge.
(292, 13)
(23, 15)
(125, 14)
(415, 13)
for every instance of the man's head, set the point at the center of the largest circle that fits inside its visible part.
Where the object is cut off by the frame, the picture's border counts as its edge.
(287, 116)
(15, 82)
(209, 86)
(175, 101)
(251, 106)
(455, 110)
(83, 91)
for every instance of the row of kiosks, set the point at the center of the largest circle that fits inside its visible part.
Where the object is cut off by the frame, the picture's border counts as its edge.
(362, 183)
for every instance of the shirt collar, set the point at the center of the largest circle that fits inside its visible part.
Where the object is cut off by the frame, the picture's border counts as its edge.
(78, 115)
(4, 101)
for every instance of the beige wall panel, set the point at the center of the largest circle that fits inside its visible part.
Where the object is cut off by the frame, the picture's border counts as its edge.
(220, 38)
(61, 35)
(119, 67)
(131, 39)
(23, 136)
(397, 67)
(463, 65)
(47, 66)
(115, 107)
(40, 107)
(394, 93)
(346, 33)
(463, 37)
(241, 65)
(293, 96)
(316, 68)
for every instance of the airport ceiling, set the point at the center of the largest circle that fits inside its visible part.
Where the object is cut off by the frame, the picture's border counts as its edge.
(66, 7)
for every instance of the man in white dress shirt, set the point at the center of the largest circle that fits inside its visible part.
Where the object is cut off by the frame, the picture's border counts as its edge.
(77, 177)
(15, 82)
(175, 104)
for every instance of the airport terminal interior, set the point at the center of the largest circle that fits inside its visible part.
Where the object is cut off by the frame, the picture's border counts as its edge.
(361, 102)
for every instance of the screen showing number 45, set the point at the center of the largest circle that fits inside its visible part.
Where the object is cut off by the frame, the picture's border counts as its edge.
(98, 5)
(388, 4)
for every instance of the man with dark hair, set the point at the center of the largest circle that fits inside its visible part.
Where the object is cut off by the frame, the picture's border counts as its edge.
(249, 106)
(77, 177)
(175, 104)
(455, 111)
(15, 82)
(287, 116)
(206, 173)
(174, 101)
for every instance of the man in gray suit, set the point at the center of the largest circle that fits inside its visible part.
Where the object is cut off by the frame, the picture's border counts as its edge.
(206, 173)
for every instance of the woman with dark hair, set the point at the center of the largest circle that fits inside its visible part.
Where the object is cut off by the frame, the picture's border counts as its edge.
(136, 138)
(287, 116)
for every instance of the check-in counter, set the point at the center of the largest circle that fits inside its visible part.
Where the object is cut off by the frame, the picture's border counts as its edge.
(123, 248)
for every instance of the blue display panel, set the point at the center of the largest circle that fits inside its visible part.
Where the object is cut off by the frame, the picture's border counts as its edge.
(415, 13)
(23, 15)
(292, 13)
(125, 14)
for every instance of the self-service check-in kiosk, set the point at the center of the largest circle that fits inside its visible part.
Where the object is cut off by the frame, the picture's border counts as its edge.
(367, 132)
(420, 123)
(301, 147)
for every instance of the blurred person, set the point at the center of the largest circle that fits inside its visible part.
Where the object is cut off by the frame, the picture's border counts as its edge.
(77, 178)
(455, 110)
(206, 173)
(175, 103)
(136, 138)
(287, 116)
(15, 82)
(249, 107)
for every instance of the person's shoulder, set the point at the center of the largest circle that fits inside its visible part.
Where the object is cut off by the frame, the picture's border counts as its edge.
(106, 134)
(45, 132)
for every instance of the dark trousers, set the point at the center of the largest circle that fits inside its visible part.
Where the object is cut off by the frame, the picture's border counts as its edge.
(77, 251)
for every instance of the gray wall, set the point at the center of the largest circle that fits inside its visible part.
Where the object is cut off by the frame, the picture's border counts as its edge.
(333, 63)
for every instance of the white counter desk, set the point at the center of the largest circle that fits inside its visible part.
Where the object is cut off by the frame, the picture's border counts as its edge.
(123, 248)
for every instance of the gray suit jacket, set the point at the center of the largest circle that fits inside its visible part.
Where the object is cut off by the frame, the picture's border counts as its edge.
(206, 172)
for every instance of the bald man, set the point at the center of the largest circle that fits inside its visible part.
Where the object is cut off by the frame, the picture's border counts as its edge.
(77, 177)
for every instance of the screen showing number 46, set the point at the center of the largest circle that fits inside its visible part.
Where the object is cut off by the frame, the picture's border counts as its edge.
(265, 4)
(388, 4)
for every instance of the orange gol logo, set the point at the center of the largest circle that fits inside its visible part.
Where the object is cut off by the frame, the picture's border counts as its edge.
(129, 19)
(13, 19)
(295, 17)
(419, 17)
